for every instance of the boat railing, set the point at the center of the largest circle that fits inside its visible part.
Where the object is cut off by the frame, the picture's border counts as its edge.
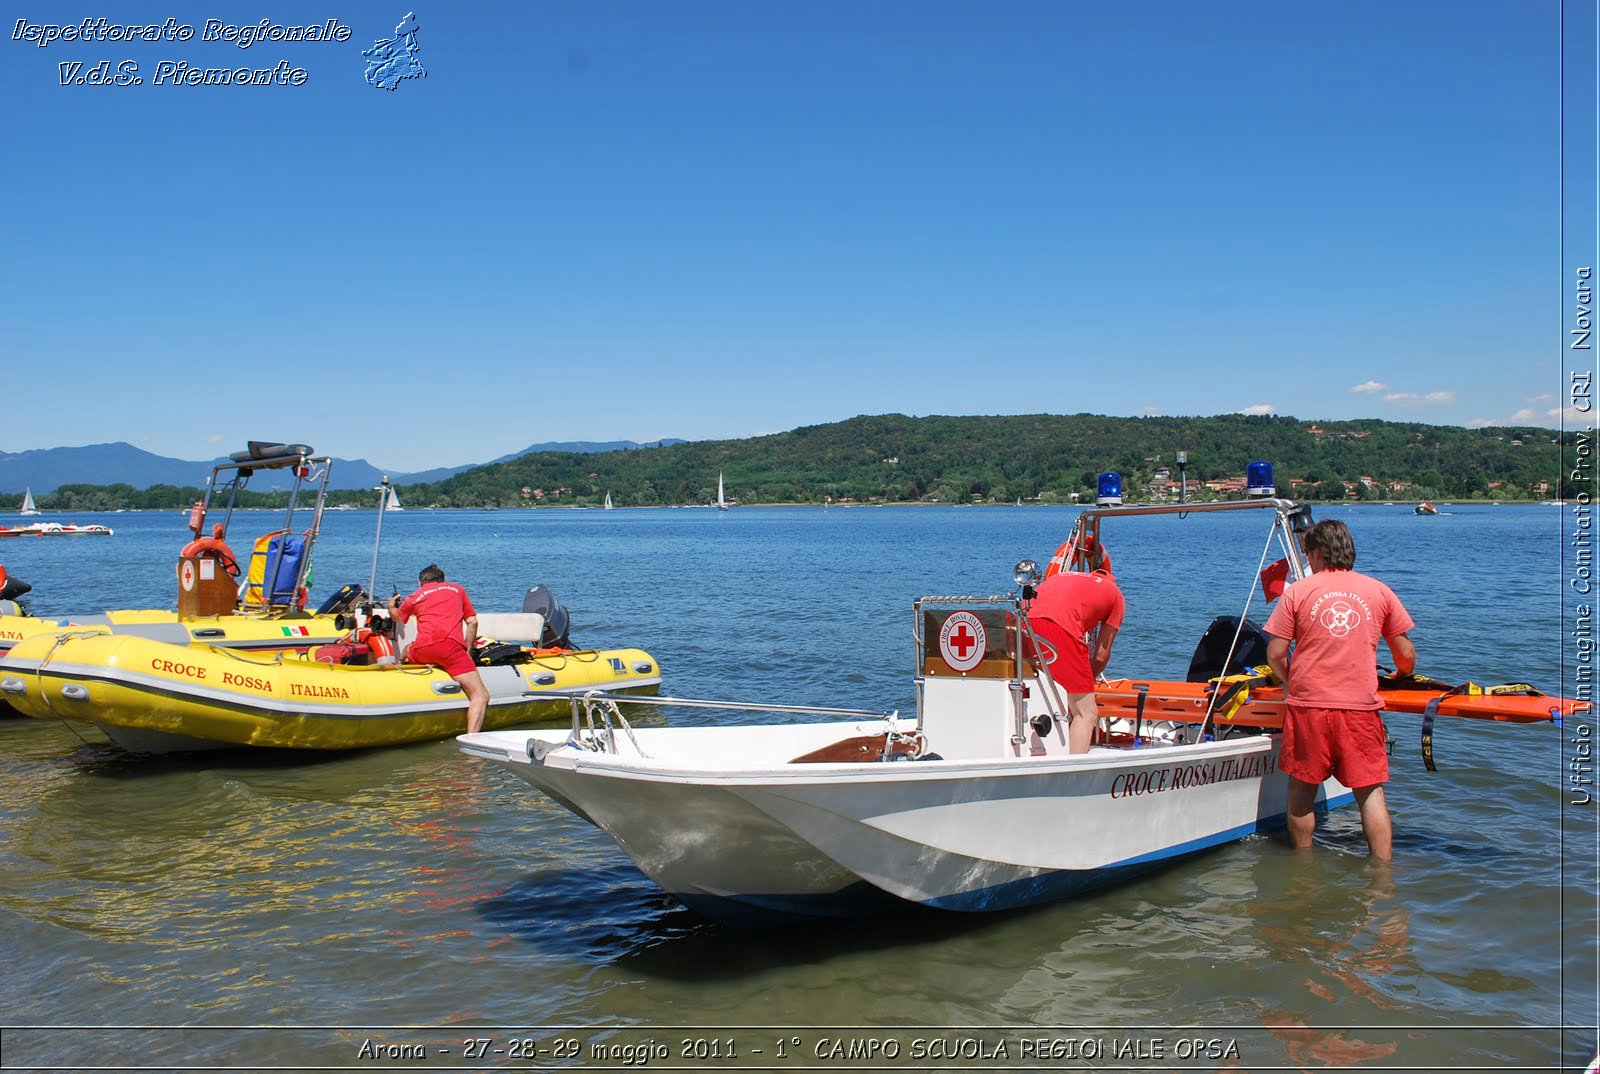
(597, 714)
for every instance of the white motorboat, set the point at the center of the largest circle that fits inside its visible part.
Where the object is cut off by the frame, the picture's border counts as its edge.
(972, 804)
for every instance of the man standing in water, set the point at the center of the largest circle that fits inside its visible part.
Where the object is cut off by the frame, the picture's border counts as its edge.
(1068, 606)
(1331, 724)
(447, 625)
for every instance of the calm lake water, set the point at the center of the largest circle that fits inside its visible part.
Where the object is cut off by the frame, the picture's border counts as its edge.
(414, 887)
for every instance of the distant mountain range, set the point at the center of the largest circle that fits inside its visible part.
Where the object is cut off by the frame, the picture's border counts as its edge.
(46, 469)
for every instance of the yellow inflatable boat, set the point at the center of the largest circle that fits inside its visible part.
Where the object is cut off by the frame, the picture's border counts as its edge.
(151, 696)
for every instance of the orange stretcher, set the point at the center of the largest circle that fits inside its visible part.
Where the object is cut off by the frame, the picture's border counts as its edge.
(1262, 705)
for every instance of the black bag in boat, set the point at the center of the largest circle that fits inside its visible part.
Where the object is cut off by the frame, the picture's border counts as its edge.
(1206, 664)
(489, 654)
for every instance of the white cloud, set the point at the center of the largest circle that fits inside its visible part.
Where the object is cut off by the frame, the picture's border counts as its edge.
(1151, 412)
(1259, 408)
(1416, 399)
(1551, 417)
(1369, 387)
(1545, 398)
(1525, 416)
(214, 438)
(1571, 418)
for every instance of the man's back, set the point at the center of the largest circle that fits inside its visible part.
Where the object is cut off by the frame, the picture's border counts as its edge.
(440, 608)
(1335, 619)
(1079, 602)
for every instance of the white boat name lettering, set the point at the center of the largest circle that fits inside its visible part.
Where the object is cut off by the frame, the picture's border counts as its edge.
(190, 671)
(247, 681)
(1156, 780)
(297, 690)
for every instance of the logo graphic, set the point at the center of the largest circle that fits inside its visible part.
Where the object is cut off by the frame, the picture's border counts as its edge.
(1339, 618)
(391, 60)
(616, 666)
(186, 575)
(962, 641)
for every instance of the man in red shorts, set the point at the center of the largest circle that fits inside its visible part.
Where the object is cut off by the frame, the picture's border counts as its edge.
(1065, 609)
(447, 625)
(1332, 724)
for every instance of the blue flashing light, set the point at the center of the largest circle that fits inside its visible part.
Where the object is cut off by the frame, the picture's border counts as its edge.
(1110, 489)
(1258, 480)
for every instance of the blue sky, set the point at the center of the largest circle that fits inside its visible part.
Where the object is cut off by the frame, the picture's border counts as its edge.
(601, 220)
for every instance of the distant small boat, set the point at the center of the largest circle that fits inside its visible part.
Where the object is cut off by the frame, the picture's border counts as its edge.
(1425, 508)
(53, 529)
(722, 503)
(609, 505)
(27, 503)
(391, 502)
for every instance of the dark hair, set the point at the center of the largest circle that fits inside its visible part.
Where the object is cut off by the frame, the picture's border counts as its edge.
(1332, 541)
(431, 573)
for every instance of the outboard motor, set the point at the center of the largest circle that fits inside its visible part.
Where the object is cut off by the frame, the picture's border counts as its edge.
(346, 598)
(1208, 656)
(557, 622)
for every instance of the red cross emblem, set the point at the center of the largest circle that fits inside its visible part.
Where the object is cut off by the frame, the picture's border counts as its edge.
(962, 641)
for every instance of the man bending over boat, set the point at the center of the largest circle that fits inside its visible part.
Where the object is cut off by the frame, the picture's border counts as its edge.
(447, 625)
(1331, 724)
(1066, 608)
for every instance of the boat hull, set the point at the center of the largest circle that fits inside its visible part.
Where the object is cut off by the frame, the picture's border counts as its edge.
(148, 696)
(250, 633)
(766, 843)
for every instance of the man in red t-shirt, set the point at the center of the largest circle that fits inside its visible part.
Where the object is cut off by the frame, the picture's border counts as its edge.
(447, 625)
(1332, 725)
(1065, 609)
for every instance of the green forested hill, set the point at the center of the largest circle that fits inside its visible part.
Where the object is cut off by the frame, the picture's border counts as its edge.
(962, 459)
(892, 457)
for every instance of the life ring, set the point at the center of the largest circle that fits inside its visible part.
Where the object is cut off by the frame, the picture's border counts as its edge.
(1090, 556)
(213, 547)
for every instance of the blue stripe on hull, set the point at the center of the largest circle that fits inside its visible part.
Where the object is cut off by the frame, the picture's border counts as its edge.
(863, 899)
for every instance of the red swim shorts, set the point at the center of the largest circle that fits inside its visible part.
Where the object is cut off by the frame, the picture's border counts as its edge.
(447, 653)
(1348, 744)
(1070, 668)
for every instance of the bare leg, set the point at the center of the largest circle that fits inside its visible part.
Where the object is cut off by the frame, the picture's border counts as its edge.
(477, 700)
(1375, 821)
(1084, 713)
(1302, 812)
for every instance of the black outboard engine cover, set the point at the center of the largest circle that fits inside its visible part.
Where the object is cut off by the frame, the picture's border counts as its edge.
(557, 622)
(14, 588)
(346, 598)
(1213, 649)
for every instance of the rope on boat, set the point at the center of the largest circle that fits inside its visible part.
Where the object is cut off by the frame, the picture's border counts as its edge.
(1233, 646)
(44, 695)
(609, 712)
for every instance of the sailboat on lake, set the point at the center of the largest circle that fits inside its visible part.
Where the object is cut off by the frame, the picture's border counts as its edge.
(722, 502)
(27, 503)
(391, 502)
(609, 506)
